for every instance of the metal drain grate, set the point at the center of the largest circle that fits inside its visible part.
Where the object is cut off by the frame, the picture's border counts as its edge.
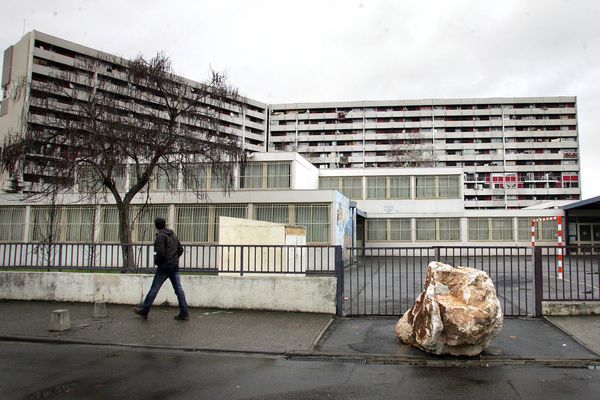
(343, 360)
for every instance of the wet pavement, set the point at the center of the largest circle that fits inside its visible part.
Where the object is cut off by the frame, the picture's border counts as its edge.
(520, 338)
(286, 333)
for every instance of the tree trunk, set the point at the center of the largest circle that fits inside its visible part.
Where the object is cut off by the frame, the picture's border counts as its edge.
(127, 251)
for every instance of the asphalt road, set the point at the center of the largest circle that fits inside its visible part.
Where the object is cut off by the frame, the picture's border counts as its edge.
(51, 371)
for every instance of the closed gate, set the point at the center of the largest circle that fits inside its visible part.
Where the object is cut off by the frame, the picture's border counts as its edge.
(386, 281)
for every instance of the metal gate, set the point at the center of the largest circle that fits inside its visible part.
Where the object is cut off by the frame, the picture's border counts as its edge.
(386, 281)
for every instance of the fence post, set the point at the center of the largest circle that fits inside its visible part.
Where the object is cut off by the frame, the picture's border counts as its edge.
(60, 257)
(339, 273)
(241, 260)
(538, 280)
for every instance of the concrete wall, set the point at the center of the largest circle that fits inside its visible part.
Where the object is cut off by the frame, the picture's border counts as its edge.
(278, 293)
(565, 308)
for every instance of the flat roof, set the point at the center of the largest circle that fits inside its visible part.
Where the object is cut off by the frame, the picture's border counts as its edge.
(591, 203)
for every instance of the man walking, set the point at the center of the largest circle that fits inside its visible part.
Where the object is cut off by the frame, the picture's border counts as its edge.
(167, 250)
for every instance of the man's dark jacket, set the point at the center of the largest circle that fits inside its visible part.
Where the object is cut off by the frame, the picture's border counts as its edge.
(167, 249)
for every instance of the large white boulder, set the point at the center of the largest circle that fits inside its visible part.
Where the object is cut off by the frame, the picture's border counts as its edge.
(458, 313)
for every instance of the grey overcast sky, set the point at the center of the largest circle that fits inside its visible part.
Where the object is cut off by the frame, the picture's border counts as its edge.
(279, 51)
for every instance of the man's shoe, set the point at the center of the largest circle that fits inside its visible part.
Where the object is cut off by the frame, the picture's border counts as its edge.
(139, 311)
(182, 317)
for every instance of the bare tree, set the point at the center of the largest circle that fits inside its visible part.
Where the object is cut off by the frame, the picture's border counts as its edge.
(411, 150)
(103, 120)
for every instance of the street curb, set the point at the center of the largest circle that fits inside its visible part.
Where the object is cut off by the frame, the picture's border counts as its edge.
(361, 358)
(315, 343)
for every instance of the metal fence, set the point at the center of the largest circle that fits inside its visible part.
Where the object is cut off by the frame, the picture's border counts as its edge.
(580, 273)
(238, 259)
(386, 281)
(371, 281)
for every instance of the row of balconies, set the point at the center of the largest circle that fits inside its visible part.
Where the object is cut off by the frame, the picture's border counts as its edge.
(509, 136)
(146, 96)
(422, 125)
(522, 191)
(361, 113)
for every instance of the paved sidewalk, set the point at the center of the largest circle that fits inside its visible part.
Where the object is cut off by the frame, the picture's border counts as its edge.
(289, 333)
(219, 330)
(520, 339)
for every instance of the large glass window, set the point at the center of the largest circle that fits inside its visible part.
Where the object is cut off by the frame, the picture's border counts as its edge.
(78, 224)
(272, 213)
(479, 229)
(352, 187)
(109, 224)
(44, 224)
(315, 217)
(141, 220)
(376, 229)
(61, 224)
(376, 187)
(502, 229)
(166, 178)
(491, 229)
(329, 182)
(267, 175)
(278, 175)
(400, 229)
(425, 229)
(194, 177)
(546, 230)
(425, 187)
(449, 229)
(12, 220)
(252, 176)
(192, 223)
(430, 229)
(144, 230)
(524, 229)
(449, 186)
(400, 187)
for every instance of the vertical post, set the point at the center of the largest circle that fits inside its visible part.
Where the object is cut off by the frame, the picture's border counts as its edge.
(241, 260)
(538, 280)
(560, 247)
(533, 233)
(60, 256)
(339, 274)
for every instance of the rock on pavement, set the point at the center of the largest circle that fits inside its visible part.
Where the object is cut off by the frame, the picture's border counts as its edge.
(458, 313)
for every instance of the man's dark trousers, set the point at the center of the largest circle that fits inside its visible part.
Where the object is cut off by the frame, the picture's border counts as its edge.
(161, 275)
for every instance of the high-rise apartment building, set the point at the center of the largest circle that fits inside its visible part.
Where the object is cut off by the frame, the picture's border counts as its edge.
(515, 152)
(40, 62)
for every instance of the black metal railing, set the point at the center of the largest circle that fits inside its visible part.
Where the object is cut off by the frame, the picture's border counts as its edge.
(580, 278)
(371, 281)
(386, 281)
(238, 259)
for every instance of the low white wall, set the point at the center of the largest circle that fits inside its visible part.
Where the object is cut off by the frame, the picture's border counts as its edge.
(566, 308)
(278, 293)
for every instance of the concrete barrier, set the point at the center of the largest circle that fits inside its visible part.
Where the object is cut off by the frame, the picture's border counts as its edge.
(265, 292)
(565, 308)
(60, 321)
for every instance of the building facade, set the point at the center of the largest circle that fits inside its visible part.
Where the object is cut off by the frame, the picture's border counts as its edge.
(515, 152)
(376, 173)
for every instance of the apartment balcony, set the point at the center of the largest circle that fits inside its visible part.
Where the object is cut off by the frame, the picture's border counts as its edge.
(543, 168)
(541, 145)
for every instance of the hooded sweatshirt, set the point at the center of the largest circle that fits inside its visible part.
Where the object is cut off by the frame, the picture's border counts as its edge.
(167, 249)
